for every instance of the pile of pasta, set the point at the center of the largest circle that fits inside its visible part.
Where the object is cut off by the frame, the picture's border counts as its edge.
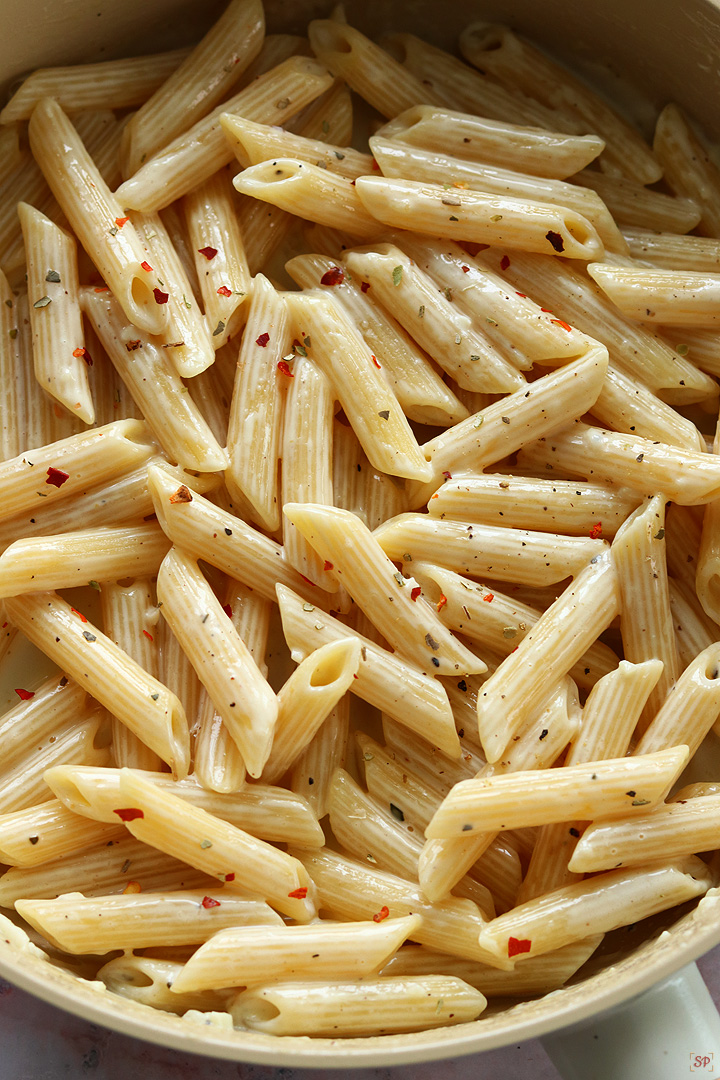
(336, 490)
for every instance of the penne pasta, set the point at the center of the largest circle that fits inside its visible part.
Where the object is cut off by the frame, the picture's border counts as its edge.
(688, 167)
(673, 297)
(203, 79)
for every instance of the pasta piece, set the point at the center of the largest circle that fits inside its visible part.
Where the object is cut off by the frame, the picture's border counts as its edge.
(203, 79)
(194, 156)
(130, 619)
(65, 560)
(511, 59)
(148, 980)
(689, 709)
(638, 553)
(313, 771)
(97, 216)
(515, 555)
(40, 713)
(270, 813)
(570, 507)
(352, 1008)
(599, 789)
(213, 846)
(432, 167)
(625, 404)
(551, 921)
(636, 206)
(219, 256)
(99, 870)
(56, 321)
(533, 977)
(415, 700)
(335, 346)
(502, 428)
(673, 297)
(256, 412)
(367, 69)
(546, 653)
(42, 833)
(223, 664)
(310, 192)
(674, 252)
(69, 466)
(218, 764)
(612, 711)
(323, 951)
(681, 476)
(307, 698)
(688, 167)
(410, 625)
(111, 84)
(476, 138)
(485, 219)
(147, 707)
(78, 924)
(444, 333)
(254, 143)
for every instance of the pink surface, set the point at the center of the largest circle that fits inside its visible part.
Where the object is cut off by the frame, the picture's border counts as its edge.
(39, 1042)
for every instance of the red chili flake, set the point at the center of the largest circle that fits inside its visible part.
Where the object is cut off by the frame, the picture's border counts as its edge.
(518, 945)
(147, 635)
(375, 362)
(81, 351)
(328, 565)
(442, 602)
(522, 295)
(596, 530)
(208, 902)
(228, 610)
(382, 914)
(224, 291)
(102, 288)
(504, 262)
(229, 877)
(414, 593)
(208, 252)
(182, 495)
(447, 475)
(364, 286)
(333, 276)
(160, 296)
(131, 346)
(376, 167)
(132, 887)
(298, 894)
(25, 695)
(307, 579)
(4, 624)
(79, 614)
(489, 597)
(555, 239)
(465, 269)
(120, 221)
(352, 183)
(561, 322)
(146, 266)
(129, 814)
(284, 369)
(56, 477)
(262, 340)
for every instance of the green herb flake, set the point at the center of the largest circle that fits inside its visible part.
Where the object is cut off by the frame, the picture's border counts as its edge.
(474, 358)
(52, 275)
(496, 217)
(453, 218)
(400, 579)
(154, 697)
(13, 333)
(94, 585)
(8, 303)
(682, 350)
(308, 607)
(421, 311)
(219, 328)
(42, 302)
(396, 812)
(384, 414)
(659, 535)
(325, 128)
(479, 421)
(113, 230)
(397, 275)
(489, 320)
(204, 844)
(186, 302)
(300, 350)
(509, 632)
(407, 557)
